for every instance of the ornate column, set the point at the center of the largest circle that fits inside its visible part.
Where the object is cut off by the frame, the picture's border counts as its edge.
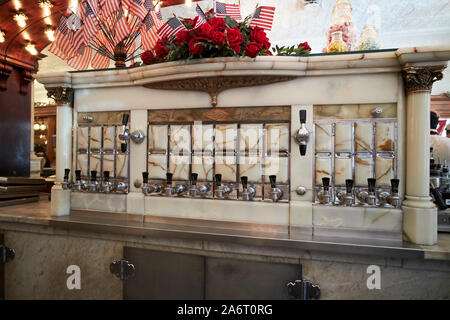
(419, 213)
(63, 97)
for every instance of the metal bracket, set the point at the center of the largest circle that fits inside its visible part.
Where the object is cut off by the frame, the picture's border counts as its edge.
(6, 254)
(303, 289)
(122, 269)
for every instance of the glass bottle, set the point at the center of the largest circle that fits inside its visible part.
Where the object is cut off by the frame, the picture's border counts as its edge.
(369, 39)
(337, 44)
(342, 21)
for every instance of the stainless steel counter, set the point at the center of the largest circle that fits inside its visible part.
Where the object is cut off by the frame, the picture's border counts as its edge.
(245, 234)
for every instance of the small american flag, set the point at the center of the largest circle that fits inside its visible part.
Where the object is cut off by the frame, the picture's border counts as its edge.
(171, 28)
(94, 6)
(91, 25)
(100, 61)
(82, 59)
(122, 29)
(231, 10)
(138, 8)
(62, 46)
(263, 18)
(78, 39)
(108, 7)
(201, 17)
(149, 30)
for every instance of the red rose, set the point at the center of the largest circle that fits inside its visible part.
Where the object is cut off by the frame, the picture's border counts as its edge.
(182, 37)
(258, 35)
(237, 49)
(234, 37)
(203, 33)
(195, 47)
(252, 49)
(190, 23)
(147, 57)
(218, 38)
(217, 23)
(161, 49)
(305, 46)
(210, 13)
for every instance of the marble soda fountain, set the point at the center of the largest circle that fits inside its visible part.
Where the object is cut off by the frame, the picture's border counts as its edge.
(326, 145)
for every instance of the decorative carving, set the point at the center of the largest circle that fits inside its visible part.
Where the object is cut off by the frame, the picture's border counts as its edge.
(214, 85)
(421, 78)
(26, 76)
(5, 71)
(61, 95)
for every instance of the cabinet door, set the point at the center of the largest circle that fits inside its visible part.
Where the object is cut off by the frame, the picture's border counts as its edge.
(164, 275)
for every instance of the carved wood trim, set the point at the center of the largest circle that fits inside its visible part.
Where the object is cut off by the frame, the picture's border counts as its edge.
(26, 76)
(5, 71)
(214, 85)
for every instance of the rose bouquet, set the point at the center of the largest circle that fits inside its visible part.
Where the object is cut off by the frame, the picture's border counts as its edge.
(217, 37)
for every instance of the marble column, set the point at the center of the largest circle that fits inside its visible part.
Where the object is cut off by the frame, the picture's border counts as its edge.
(60, 205)
(35, 161)
(419, 212)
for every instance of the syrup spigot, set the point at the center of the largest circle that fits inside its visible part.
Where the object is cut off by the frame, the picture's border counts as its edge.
(78, 185)
(368, 196)
(276, 193)
(148, 189)
(93, 185)
(324, 194)
(348, 198)
(169, 188)
(394, 198)
(66, 184)
(193, 189)
(302, 135)
(125, 135)
(222, 191)
(107, 185)
(122, 187)
(248, 193)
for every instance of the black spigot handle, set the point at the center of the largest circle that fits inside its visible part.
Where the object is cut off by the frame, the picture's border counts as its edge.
(94, 175)
(302, 148)
(273, 181)
(123, 147)
(169, 178)
(78, 175)
(106, 176)
(125, 119)
(244, 181)
(303, 116)
(218, 180)
(145, 177)
(394, 185)
(326, 183)
(371, 184)
(349, 185)
(66, 174)
(194, 177)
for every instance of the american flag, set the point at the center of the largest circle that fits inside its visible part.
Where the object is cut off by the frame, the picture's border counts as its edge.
(263, 18)
(201, 17)
(138, 8)
(149, 30)
(231, 10)
(108, 7)
(94, 5)
(78, 38)
(100, 61)
(171, 28)
(82, 59)
(62, 46)
(91, 24)
(121, 27)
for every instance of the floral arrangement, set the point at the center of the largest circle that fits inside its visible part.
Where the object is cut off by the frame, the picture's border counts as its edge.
(217, 37)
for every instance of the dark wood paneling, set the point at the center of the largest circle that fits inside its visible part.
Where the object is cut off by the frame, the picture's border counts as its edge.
(15, 115)
(441, 105)
(2, 273)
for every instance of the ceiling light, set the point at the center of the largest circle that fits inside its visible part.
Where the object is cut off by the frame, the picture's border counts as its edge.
(21, 19)
(50, 33)
(36, 126)
(188, 3)
(46, 5)
(2, 36)
(42, 127)
(17, 4)
(73, 5)
(31, 48)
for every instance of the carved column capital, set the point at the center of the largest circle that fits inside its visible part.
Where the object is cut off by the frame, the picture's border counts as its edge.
(5, 71)
(421, 78)
(61, 95)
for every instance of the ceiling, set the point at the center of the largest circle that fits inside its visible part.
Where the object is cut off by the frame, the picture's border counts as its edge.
(13, 49)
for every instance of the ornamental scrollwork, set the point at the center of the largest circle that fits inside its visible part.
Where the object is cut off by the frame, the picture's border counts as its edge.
(61, 95)
(421, 78)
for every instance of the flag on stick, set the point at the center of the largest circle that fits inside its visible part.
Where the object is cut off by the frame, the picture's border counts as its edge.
(82, 59)
(91, 24)
(171, 27)
(224, 9)
(62, 46)
(201, 17)
(149, 30)
(138, 9)
(108, 7)
(263, 18)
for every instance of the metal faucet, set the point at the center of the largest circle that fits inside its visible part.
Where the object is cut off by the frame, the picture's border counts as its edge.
(368, 196)
(195, 191)
(276, 193)
(347, 197)
(93, 185)
(148, 189)
(302, 135)
(107, 185)
(125, 135)
(248, 192)
(122, 187)
(324, 194)
(222, 191)
(79, 185)
(169, 188)
(66, 184)
(391, 198)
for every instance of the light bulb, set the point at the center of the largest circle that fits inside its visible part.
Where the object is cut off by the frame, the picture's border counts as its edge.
(42, 127)
(188, 3)
(21, 19)
(17, 4)
(36, 126)
(2, 36)
(31, 48)
(45, 5)
(50, 33)
(73, 5)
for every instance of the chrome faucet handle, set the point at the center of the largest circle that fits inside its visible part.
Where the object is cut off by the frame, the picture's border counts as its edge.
(302, 135)
(394, 198)
(324, 194)
(125, 135)
(222, 190)
(180, 189)
(348, 199)
(169, 188)
(204, 189)
(145, 188)
(78, 185)
(107, 185)
(276, 193)
(193, 192)
(122, 187)
(66, 184)
(248, 193)
(93, 185)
